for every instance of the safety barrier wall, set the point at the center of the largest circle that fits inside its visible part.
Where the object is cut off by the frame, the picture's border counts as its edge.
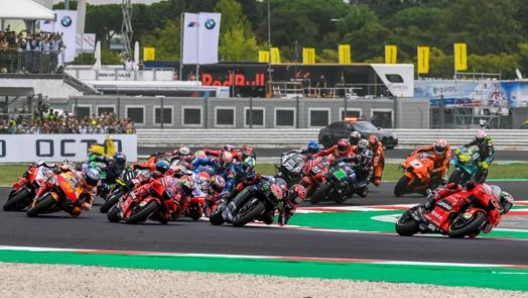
(516, 140)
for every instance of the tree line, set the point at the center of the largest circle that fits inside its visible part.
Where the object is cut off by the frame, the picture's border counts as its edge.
(495, 31)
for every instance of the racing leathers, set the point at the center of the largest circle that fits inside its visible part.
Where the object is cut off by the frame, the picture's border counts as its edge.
(441, 162)
(113, 170)
(363, 173)
(378, 163)
(208, 164)
(487, 154)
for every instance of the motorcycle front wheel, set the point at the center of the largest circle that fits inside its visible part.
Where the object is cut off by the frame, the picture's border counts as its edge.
(248, 212)
(406, 225)
(401, 186)
(113, 215)
(42, 206)
(19, 201)
(143, 213)
(112, 200)
(320, 193)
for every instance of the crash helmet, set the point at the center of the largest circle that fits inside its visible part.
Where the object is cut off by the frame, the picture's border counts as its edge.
(312, 147)
(225, 160)
(440, 146)
(228, 148)
(162, 166)
(343, 146)
(355, 136)
(91, 177)
(186, 184)
(218, 183)
(373, 141)
(184, 150)
(247, 151)
(120, 159)
(296, 193)
(363, 144)
(480, 136)
(506, 201)
(248, 168)
(200, 154)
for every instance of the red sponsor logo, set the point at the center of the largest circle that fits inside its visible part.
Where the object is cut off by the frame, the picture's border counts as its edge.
(236, 79)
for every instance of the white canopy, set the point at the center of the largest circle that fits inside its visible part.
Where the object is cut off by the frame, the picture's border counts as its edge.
(24, 10)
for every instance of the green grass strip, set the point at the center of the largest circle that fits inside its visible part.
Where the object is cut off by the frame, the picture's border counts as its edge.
(464, 276)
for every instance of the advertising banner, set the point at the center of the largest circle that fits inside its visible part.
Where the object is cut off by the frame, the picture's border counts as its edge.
(344, 54)
(60, 147)
(66, 24)
(391, 54)
(423, 60)
(264, 56)
(275, 56)
(460, 56)
(201, 33)
(308, 55)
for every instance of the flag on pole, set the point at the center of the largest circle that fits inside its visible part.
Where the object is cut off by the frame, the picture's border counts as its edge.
(264, 56)
(275, 56)
(460, 56)
(423, 60)
(201, 32)
(308, 56)
(391, 54)
(344, 54)
(149, 54)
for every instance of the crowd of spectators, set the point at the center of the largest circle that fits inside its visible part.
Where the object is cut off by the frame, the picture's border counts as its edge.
(31, 53)
(49, 121)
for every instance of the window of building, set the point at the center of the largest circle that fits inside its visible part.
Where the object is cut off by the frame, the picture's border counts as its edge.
(285, 117)
(167, 115)
(318, 117)
(254, 117)
(192, 116)
(136, 114)
(225, 116)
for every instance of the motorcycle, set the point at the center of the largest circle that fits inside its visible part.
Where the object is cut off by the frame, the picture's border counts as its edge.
(158, 204)
(250, 204)
(450, 216)
(340, 183)
(103, 190)
(290, 167)
(27, 186)
(465, 164)
(122, 187)
(417, 176)
(62, 192)
(314, 171)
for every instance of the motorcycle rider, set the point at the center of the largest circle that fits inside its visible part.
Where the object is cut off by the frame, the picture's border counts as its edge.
(486, 152)
(363, 169)
(216, 153)
(354, 138)
(378, 161)
(244, 152)
(442, 155)
(87, 182)
(222, 165)
(339, 150)
(215, 193)
(114, 167)
(293, 197)
(183, 153)
(479, 194)
(311, 149)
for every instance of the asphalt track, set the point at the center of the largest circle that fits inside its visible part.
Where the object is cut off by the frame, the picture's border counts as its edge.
(93, 231)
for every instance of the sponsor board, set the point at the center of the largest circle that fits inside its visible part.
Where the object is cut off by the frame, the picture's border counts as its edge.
(59, 147)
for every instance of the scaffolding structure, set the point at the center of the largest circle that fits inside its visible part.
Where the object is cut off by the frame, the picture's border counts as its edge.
(126, 27)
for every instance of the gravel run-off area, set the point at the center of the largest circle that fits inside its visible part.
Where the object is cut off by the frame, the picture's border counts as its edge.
(43, 281)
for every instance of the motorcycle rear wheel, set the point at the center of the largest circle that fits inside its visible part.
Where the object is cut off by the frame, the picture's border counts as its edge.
(42, 206)
(464, 227)
(320, 193)
(216, 218)
(143, 213)
(406, 225)
(249, 214)
(18, 201)
(401, 186)
(111, 201)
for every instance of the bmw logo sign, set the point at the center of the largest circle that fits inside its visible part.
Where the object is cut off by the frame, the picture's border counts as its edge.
(66, 21)
(210, 24)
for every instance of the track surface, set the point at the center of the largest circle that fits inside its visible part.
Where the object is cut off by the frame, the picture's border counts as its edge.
(92, 230)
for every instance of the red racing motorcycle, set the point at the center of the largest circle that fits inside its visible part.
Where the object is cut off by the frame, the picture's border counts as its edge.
(27, 186)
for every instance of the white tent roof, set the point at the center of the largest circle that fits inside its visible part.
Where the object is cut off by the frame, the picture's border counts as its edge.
(24, 10)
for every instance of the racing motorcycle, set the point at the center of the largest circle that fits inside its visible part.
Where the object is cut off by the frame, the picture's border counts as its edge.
(123, 186)
(250, 204)
(62, 192)
(314, 171)
(158, 204)
(451, 216)
(340, 183)
(417, 176)
(27, 186)
(465, 163)
(290, 167)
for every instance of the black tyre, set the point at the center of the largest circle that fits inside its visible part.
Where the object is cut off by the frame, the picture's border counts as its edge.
(249, 211)
(19, 201)
(401, 186)
(143, 213)
(112, 200)
(216, 218)
(42, 206)
(406, 225)
(113, 215)
(195, 215)
(464, 227)
(320, 194)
